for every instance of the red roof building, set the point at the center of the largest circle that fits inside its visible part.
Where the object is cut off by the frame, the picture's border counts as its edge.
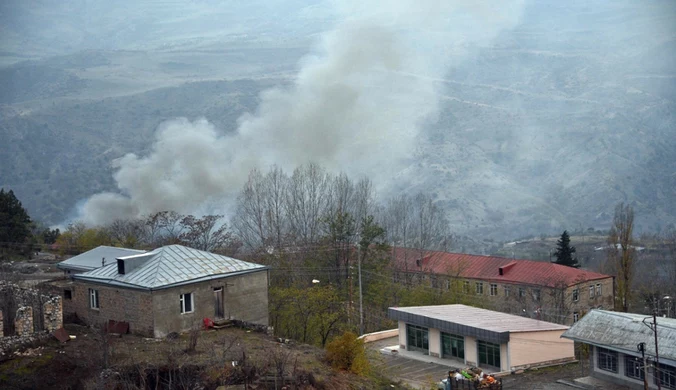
(518, 286)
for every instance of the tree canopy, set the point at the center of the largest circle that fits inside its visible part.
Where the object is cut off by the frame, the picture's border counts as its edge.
(565, 252)
(15, 224)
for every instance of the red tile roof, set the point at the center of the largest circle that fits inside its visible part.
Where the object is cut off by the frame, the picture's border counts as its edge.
(491, 268)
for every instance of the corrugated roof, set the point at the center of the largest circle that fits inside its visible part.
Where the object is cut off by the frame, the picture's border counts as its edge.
(169, 266)
(92, 259)
(488, 268)
(624, 331)
(475, 317)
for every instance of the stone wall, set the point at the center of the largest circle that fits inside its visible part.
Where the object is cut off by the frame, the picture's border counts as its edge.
(52, 310)
(23, 321)
(2, 324)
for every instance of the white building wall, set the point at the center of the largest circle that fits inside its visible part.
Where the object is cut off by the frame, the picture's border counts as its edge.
(435, 342)
(619, 377)
(402, 335)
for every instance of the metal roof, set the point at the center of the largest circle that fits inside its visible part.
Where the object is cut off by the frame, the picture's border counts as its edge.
(487, 268)
(622, 332)
(465, 320)
(90, 260)
(170, 266)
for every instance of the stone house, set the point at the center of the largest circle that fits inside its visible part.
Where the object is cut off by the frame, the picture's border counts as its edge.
(615, 339)
(535, 289)
(170, 289)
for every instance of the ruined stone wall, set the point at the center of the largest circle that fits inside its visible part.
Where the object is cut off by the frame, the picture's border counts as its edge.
(23, 321)
(29, 311)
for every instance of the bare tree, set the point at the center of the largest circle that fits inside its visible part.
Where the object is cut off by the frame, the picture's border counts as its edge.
(206, 233)
(307, 201)
(621, 253)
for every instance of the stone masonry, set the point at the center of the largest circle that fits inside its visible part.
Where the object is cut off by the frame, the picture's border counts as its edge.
(2, 324)
(24, 321)
(53, 314)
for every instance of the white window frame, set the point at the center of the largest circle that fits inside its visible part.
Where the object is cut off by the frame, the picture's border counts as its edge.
(576, 294)
(479, 288)
(576, 317)
(536, 294)
(507, 291)
(192, 303)
(94, 299)
(494, 289)
(465, 287)
(598, 289)
(591, 292)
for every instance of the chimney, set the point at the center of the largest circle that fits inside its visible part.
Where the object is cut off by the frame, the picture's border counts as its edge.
(129, 263)
(503, 270)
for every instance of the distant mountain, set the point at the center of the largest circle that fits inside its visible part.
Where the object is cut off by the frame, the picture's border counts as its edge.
(546, 129)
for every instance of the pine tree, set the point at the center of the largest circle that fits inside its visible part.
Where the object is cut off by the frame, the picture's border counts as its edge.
(15, 224)
(564, 252)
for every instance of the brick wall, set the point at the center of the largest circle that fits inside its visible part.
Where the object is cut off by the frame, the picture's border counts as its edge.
(118, 304)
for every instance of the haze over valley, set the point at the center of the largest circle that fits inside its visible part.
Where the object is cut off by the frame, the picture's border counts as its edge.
(518, 117)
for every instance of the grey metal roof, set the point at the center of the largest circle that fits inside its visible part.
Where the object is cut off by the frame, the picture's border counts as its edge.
(92, 259)
(622, 332)
(465, 320)
(170, 266)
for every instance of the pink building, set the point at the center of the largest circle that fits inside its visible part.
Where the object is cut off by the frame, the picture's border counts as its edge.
(495, 341)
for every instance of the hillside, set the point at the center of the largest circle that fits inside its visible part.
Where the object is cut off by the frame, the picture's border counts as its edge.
(547, 128)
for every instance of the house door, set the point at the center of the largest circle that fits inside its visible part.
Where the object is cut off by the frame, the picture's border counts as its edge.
(218, 302)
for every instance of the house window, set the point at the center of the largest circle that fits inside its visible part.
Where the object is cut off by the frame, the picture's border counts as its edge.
(522, 292)
(591, 292)
(606, 359)
(186, 303)
(667, 376)
(536, 295)
(576, 295)
(494, 289)
(465, 287)
(452, 346)
(506, 291)
(489, 353)
(448, 285)
(576, 316)
(67, 294)
(479, 288)
(633, 367)
(598, 290)
(94, 298)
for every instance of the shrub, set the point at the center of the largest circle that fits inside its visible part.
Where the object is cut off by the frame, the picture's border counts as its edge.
(347, 352)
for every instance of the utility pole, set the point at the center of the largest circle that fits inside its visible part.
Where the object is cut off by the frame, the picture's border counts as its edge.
(657, 354)
(361, 300)
(641, 347)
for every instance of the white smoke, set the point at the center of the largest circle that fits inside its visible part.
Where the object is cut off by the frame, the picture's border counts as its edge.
(356, 106)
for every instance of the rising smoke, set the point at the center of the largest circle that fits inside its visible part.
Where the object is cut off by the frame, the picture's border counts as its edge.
(356, 106)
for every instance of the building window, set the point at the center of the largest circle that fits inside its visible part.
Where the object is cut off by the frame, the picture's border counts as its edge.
(536, 295)
(452, 346)
(591, 292)
(576, 295)
(606, 359)
(506, 291)
(489, 354)
(522, 292)
(576, 316)
(186, 303)
(494, 289)
(67, 294)
(465, 287)
(448, 285)
(598, 290)
(417, 338)
(633, 367)
(94, 298)
(667, 376)
(479, 288)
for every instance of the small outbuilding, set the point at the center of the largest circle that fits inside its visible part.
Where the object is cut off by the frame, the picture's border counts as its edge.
(616, 339)
(494, 341)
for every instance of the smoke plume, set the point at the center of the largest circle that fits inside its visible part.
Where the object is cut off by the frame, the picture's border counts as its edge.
(356, 105)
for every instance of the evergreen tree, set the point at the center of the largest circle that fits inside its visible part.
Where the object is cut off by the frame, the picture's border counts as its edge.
(564, 252)
(15, 224)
